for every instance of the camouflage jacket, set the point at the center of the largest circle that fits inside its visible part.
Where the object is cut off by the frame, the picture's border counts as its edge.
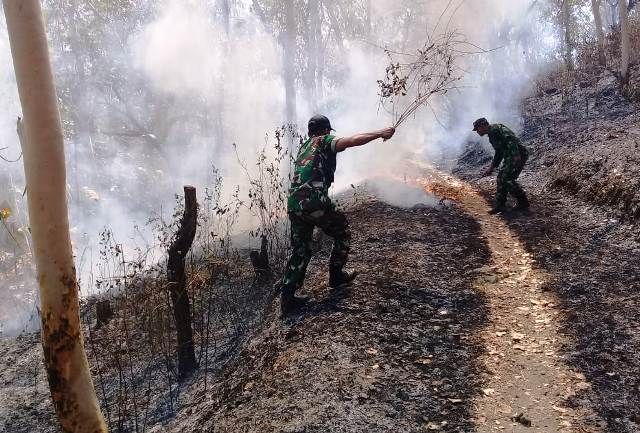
(313, 174)
(507, 146)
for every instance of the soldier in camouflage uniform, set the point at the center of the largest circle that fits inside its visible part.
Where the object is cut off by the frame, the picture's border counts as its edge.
(513, 156)
(309, 206)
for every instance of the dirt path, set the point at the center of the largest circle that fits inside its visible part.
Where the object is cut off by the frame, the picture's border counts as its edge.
(527, 380)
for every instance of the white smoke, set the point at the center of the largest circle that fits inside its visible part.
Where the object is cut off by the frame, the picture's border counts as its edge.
(516, 39)
(186, 55)
(399, 193)
(181, 52)
(10, 106)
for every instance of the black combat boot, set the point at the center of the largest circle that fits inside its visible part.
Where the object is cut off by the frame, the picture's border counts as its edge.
(339, 279)
(291, 304)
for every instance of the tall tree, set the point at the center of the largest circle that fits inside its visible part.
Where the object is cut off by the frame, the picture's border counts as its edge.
(597, 19)
(68, 372)
(368, 24)
(304, 29)
(625, 51)
(314, 43)
(613, 12)
(289, 37)
(567, 24)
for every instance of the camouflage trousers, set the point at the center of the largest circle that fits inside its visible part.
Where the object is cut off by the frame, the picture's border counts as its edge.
(334, 224)
(507, 182)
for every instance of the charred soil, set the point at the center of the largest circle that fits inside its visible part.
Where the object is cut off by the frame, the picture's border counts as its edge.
(395, 353)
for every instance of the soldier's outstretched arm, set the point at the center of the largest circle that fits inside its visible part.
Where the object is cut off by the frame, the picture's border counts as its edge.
(364, 138)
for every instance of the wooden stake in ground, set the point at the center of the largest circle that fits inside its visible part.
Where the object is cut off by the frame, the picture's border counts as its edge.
(260, 262)
(178, 285)
(70, 381)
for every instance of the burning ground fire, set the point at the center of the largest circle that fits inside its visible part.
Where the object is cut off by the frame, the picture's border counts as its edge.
(433, 181)
(446, 188)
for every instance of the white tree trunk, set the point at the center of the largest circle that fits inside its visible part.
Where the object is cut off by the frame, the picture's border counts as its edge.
(597, 18)
(625, 52)
(69, 377)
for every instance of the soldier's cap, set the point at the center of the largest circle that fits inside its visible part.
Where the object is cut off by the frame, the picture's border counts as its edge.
(319, 123)
(480, 122)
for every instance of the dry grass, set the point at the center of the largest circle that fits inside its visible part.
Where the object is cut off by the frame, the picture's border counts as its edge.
(134, 356)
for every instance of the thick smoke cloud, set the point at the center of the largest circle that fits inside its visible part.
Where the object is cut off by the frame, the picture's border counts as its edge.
(516, 40)
(185, 54)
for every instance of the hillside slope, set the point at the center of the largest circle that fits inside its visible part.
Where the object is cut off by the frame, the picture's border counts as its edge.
(586, 139)
(394, 354)
(456, 324)
(459, 321)
(462, 322)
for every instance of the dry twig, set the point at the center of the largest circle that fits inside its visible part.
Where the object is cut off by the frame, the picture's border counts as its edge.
(434, 69)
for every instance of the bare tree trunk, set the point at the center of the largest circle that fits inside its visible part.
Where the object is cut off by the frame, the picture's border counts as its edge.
(597, 18)
(320, 72)
(613, 9)
(218, 107)
(178, 284)
(567, 21)
(225, 7)
(68, 372)
(625, 52)
(320, 52)
(312, 30)
(289, 59)
(406, 32)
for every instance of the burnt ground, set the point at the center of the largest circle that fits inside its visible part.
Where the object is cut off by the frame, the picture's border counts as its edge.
(396, 353)
(458, 323)
(445, 326)
(25, 405)
(567, 323)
